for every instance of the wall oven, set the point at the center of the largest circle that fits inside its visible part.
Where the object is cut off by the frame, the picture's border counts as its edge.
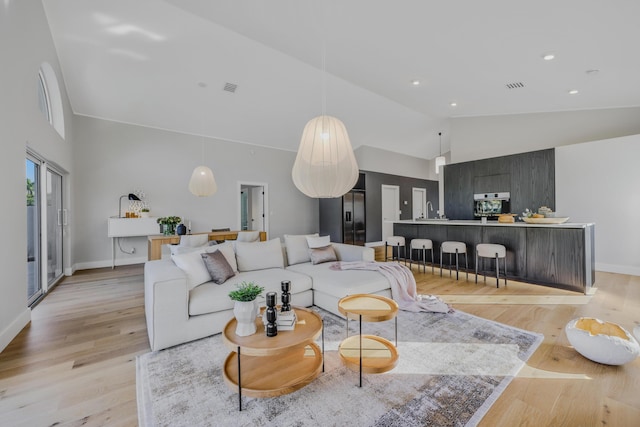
(491, 205)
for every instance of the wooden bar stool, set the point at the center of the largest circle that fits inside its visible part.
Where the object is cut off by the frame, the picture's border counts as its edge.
(421, 245)
(457, 248)
(395, 242)
(491, 250)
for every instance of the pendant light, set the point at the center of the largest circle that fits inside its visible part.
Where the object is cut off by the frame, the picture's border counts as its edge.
(440, 160)
(325, 165)
(202, 182)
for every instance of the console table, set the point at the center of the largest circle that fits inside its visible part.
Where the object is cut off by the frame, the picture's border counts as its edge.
(155, 242)
(128, 227)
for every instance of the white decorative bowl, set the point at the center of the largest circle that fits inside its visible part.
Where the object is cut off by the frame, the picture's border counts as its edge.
(602, 342)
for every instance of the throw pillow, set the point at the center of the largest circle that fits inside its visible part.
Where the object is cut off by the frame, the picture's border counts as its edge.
(259, 255)
(218, 266)
(177, 249)
(227, 250)
(248, 236)
(193, 267)
(320, 255)
(297, 248)
(194, 240)
(318, 242)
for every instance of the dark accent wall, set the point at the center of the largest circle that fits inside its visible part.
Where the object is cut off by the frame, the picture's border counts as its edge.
(529, 177)
(331, 209)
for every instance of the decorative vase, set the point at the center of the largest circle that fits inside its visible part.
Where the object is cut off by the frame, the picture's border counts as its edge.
(181, 230)
(245, 313)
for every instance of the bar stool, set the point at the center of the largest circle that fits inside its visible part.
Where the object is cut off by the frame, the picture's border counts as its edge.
(395, 242)
(457, 248)
(421, 245)
(491, 250)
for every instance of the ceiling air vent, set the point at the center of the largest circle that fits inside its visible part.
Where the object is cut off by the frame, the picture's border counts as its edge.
(516, 85)
(230, 87)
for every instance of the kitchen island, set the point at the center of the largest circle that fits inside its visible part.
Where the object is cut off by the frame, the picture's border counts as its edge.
(556, 255)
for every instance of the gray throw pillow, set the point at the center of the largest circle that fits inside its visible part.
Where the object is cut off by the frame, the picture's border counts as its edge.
(218, 266)
(324, 254)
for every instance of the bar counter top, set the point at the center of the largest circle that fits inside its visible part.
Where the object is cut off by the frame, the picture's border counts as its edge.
(493, 223)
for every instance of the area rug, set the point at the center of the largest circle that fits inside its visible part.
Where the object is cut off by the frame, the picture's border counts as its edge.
(451, 369)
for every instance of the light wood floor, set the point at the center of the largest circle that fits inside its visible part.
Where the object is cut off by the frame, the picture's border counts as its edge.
(75, 363)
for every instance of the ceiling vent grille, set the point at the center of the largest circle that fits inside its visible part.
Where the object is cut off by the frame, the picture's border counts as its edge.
(515, 85)
(230, 87)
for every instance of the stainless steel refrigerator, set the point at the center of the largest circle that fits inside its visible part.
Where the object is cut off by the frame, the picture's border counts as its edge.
(353, 217)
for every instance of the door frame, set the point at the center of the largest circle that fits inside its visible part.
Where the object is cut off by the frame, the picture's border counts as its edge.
(265, 203)
(396, 203)
(424, 201)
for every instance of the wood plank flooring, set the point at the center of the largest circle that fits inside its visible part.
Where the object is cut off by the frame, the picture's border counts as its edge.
(75, 363)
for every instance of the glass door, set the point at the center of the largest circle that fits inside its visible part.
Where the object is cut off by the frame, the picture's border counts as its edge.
(56, 220)
(34, 282)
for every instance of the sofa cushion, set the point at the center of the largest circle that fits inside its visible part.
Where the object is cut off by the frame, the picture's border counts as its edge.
(297, 248)
(211, 298)
(259, 255)
(340, 283)
(194, 240)
(321, 255)
(218, 266)
(318, 242)
(193, 265)
(248, 236)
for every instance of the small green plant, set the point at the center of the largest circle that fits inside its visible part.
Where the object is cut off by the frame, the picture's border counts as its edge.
(246, 292)
(144, 210)
(169, 220)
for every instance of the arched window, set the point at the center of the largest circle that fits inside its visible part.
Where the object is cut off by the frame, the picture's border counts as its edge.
(49, 98)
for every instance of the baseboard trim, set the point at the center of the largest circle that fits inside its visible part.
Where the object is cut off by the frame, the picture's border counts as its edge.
(107, 263)
(11, 331)
(620, 269)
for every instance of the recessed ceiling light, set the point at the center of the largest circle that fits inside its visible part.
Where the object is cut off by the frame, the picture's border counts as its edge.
(202, 84)
(454, 104)
(415, 82)
(573, 92)
(548, 56)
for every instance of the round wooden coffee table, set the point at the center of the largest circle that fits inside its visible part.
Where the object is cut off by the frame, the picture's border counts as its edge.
(261, 366)
(368, 353)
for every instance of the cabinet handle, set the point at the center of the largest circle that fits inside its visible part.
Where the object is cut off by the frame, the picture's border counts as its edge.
(64, 217)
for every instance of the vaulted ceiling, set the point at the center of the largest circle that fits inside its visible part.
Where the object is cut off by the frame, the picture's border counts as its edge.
(173, 64)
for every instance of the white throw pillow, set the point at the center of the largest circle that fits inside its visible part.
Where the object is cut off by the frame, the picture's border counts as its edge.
(177, 249)
(229, 253)
(297, 248)
(318, 242)
(259, 255)
(194, 240)
(193, 266)
(248, 236)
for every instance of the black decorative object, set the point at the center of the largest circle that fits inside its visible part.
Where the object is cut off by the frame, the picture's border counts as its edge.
(286, 295)
(181, 230)
(271, 328)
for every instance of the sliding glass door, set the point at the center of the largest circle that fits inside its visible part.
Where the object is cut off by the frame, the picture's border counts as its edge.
(34, 266)
(56, 220)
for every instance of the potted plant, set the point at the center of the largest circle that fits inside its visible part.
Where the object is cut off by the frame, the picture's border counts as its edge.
(245, 309)
(144, 213)
(168, 224)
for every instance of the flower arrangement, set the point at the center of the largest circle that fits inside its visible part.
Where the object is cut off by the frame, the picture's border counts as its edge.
(168, 224)
(246, 291)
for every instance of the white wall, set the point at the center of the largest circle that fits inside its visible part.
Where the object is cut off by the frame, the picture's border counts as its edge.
(383, 161)
(475, 138)
(113, 159)
(598, 182)
(25, 42)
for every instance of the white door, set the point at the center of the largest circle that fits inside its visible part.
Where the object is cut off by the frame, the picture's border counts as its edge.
(253, 206)
(257, 209)
(419, 202)
(390, 209)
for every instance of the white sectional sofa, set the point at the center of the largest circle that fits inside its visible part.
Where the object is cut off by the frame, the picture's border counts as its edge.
(182, 303)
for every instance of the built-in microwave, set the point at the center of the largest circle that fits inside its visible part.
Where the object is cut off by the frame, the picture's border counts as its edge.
(491, 204)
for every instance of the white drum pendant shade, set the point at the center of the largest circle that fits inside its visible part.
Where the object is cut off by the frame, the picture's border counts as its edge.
(325, 165)
(440, 161)
(202, 183)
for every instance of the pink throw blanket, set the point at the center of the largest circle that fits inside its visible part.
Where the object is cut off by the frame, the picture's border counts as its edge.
(403, 285)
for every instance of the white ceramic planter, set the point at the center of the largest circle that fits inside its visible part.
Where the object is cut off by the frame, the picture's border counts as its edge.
(245, 313)
(602, 342)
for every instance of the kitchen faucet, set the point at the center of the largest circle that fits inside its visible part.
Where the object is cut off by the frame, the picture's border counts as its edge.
(427, 207)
